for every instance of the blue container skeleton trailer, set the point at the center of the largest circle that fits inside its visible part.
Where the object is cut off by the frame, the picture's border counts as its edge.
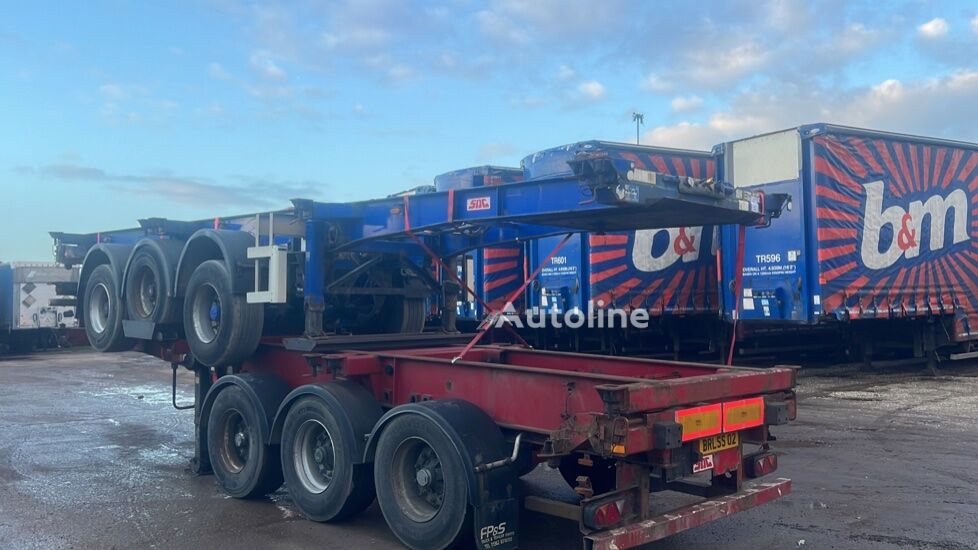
(670, 272)
(420, 426)
(134, 281)
(878, 246)
(495, 273)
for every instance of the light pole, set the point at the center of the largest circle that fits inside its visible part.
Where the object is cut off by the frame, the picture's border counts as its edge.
(639, 119)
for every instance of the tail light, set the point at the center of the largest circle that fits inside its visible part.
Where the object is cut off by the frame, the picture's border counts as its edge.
(604, 514)
(760, 464)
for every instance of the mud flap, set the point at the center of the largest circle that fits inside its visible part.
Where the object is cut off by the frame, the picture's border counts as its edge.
(496, 524)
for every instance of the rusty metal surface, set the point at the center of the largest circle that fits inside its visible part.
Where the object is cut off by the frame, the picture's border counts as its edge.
(674, 521)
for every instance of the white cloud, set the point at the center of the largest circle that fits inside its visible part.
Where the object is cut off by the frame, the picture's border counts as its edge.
(788, 15)
(682, 104)
(261, 61)
(565, 72)
(685, 135)
(358, 109)
(854, 38)
(935, 28)
(218, 72)
(655, 83)
(718, 67)
(400, 72)
(113, 91)
(974, 24)
(591, 90)
(493, 152)
(214, 109)
(930, 106)
(499, 28)
(357, 38)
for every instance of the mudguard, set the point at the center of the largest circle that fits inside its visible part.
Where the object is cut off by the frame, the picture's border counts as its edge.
(493, 495)
(116, 255)
(167, 253)
(264, 391)
(231, 247)
(354, 408)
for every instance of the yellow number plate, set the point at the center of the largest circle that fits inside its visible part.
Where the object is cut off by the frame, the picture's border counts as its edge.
(719, 442)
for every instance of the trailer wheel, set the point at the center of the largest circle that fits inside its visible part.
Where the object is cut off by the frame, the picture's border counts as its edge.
(147, 295)
(103, 312)
(403, 314)
(421, 484)
(318, 467)
(245, 465)
(222, 328)
(407, 316)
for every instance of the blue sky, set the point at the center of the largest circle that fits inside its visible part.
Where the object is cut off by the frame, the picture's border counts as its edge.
(114, 111)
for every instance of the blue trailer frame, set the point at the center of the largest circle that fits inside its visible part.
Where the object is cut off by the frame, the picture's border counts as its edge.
(609, 194)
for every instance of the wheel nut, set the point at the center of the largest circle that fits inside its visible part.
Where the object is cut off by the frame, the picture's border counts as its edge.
(423, 477)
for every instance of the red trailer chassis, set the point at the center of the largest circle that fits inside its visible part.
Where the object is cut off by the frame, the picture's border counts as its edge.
(643, 422)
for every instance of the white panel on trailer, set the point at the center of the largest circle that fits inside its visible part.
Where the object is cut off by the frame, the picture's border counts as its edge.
(34, 288)
(764, 159)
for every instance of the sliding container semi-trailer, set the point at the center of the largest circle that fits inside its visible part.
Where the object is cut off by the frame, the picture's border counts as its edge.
(878, 247)
(437, 433)
(670, 272)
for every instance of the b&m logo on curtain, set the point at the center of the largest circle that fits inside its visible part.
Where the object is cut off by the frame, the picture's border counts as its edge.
(684, 242)
(946, 217)
(895, 225)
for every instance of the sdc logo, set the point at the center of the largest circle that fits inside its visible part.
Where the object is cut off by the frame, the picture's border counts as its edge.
(478, 203)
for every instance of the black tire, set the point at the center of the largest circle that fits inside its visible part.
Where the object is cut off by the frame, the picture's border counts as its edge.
(147, 294)
(601, 473)
(245, 465)
(318, 465)
(435, 517)
(222, 328)
(405, 315)
(103, 311)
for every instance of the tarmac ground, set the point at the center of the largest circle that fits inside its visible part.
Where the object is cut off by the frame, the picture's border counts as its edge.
(92, 455)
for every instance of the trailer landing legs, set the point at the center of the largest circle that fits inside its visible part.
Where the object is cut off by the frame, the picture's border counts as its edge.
(200, 464)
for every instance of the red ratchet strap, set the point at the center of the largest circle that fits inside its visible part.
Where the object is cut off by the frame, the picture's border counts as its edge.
(738, 283)
(431, 253)
(452, 275)
(494, 314)
(485, 325)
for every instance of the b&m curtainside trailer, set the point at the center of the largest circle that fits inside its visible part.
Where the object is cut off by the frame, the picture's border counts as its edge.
(877, 249)
(671, 272)
(304, 328)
